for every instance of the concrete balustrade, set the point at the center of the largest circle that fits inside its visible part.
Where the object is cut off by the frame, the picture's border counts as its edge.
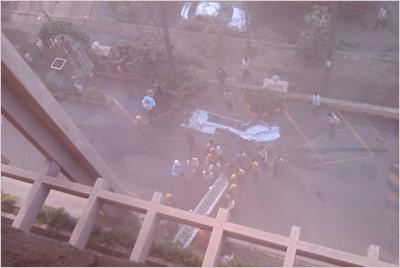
(147, 232)
(85, 224)
(292, 247)
(216, 240)
(220, 226)
(34, 201)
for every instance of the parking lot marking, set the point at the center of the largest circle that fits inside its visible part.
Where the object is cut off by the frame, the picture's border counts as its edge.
(122, 109)
(348, 159)
(309, 143)
(356, 134)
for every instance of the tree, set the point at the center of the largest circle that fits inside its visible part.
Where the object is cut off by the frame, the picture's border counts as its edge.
(315, 40)
(168, 47)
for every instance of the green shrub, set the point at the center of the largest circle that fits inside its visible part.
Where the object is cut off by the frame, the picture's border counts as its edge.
(238, 262)
(122, 236)
(8, 202)
(147, 53)
(172, 252)
(56, 219)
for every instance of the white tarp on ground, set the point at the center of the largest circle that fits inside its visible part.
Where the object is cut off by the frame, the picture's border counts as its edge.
(199, 121)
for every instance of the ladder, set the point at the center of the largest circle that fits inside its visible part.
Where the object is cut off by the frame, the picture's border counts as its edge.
(186, 233)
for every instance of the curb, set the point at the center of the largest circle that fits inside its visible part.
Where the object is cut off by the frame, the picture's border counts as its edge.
(348, 106)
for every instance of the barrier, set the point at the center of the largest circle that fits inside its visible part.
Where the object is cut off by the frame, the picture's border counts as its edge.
(154, 210)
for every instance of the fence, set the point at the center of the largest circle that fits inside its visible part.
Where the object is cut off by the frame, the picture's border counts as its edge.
(155, 211)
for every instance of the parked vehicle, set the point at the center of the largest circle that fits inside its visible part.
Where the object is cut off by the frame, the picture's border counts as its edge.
(224, 13)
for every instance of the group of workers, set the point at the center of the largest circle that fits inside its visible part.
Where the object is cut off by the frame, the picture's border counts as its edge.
(214, 164)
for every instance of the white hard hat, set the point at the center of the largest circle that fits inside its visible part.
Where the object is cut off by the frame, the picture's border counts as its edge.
(176, 162)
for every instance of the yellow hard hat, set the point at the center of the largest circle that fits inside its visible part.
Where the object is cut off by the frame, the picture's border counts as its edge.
(138, 117)
(233, 186)
(233, 176)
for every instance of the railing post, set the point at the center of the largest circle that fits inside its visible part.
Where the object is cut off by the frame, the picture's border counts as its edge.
(216, 240)
(84, 226)
(33, 202)
(292, 247)
(147, 232)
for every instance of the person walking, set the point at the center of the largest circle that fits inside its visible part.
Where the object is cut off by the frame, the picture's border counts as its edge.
(210, 144)
(177, 170)
(219, 154)
(192, 165)
(381, 20)
(228, 99)
(241, 174)
(278, 164)
(264, 156)
(243, 161)
(221, 75)
(190, 140)
(233, 178)
(149, 104)
(233, 191)
(210, 158)
(333, 122)
(255, 169)
(138, 124)
(316, 102)
(245, 68)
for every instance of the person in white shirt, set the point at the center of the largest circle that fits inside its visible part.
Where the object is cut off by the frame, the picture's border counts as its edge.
(316, 102)
(177, 170)
(245, 68)
(381, 20)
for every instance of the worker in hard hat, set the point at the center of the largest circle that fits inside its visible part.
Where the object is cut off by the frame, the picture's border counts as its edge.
(233, 178)
(209, 145)
(138, 120)
(233, 191)
(255, 169)
(241, 174)
(210, 158)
